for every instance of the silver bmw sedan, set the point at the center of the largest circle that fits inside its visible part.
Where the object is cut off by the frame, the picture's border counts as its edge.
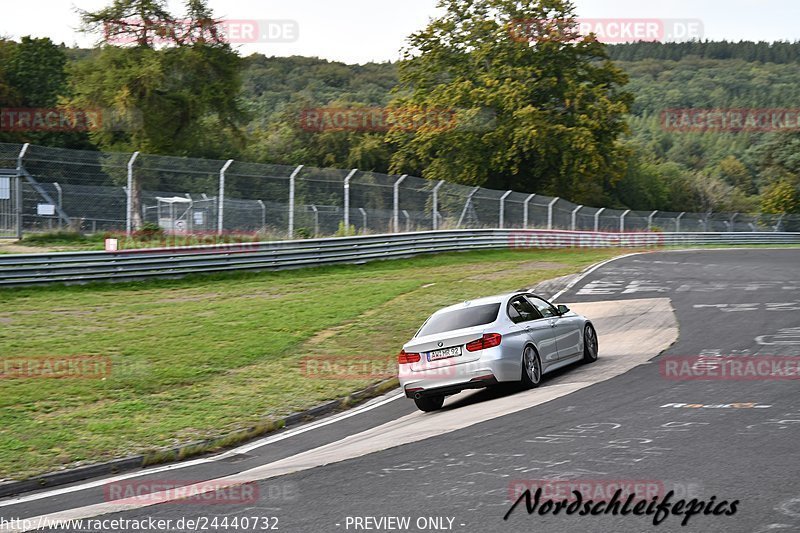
(515, 337)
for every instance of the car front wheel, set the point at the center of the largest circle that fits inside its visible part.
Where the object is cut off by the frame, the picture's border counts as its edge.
(589, 344)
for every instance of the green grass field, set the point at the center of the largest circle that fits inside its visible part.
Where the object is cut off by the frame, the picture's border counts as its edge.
(201, 357)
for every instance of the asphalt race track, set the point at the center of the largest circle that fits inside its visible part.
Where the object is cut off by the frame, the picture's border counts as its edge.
(620, 421)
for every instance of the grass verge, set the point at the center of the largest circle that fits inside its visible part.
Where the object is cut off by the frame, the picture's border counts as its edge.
(201, 357)
(70, 241)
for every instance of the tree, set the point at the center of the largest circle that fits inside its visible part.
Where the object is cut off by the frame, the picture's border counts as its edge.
(36, 70)
(9, 95)
(169, 86)
(783, 198)
(711, 191)
(780, 154)
(780, 198)
(644, 185)
(33, 75)
(144, 23)
(554, 103)
(735, 173)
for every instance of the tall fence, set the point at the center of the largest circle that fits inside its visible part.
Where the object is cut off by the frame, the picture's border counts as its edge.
(88, 191)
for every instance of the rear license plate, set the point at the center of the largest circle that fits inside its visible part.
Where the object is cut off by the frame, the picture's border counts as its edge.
(444, 353)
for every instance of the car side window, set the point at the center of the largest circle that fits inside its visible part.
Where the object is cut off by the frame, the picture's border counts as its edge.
(521, 310)
(546, 310)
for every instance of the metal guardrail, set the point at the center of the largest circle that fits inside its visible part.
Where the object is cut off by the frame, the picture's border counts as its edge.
(83, 267)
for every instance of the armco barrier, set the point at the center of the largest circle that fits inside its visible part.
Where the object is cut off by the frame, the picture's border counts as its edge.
(82, 267)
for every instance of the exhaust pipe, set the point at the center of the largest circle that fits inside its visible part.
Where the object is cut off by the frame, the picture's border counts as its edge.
(417, 395)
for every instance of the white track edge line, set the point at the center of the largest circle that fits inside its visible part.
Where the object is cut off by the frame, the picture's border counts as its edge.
(242, 449)
(589, 270)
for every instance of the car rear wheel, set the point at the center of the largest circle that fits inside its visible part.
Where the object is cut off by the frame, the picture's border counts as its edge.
(430, 403)
(531, 368)
(589, 344)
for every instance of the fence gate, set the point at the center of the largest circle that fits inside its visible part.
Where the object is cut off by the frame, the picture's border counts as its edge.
(9, 198)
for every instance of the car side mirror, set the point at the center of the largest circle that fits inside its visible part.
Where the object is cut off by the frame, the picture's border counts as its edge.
(563, 309)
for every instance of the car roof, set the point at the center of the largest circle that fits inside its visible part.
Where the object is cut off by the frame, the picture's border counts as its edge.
(497, 298)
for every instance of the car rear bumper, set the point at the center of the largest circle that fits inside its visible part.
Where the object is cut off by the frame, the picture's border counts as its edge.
(446, 390)
(493, 367)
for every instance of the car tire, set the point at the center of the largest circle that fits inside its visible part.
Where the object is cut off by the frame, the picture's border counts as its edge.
(531, 368)
(589, 344)
(430, 403)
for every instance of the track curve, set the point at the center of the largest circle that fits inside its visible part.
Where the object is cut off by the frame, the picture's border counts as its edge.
(735, 440)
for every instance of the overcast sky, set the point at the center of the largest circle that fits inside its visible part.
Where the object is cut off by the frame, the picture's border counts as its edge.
(357, 31)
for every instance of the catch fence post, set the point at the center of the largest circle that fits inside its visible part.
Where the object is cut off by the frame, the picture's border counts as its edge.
(221, 201)
(291, 199)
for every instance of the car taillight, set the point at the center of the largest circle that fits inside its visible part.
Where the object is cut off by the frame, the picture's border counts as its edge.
(404, 357)
(489, 340)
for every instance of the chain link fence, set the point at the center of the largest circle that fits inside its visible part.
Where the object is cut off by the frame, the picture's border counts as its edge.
(88, 191)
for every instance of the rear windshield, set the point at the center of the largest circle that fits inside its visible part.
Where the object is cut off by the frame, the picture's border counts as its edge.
(460, 318)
